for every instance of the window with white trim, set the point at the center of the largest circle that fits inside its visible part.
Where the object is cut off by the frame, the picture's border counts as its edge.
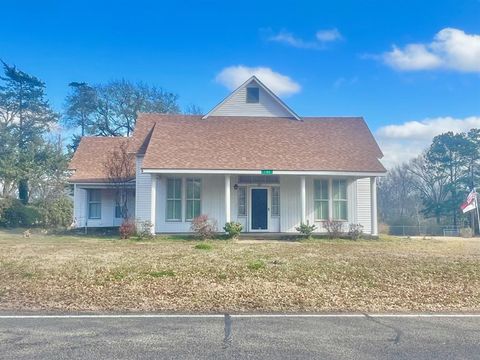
(174, 199)
(193, 199)
(242, 201)
(253, 95)
(275, 201)
(320, 199)
(94, 204)
(340, 207)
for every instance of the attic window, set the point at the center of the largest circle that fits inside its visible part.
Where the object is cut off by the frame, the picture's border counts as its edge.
(253, 95)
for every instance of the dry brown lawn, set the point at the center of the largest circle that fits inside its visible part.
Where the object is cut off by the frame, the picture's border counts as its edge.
(68, 273)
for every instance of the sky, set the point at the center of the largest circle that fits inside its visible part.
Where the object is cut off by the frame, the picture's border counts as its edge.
(410, 68)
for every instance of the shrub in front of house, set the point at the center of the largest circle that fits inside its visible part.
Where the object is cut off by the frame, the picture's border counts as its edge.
(355, 231)
(15, 214)
(57, 213)
(233, 229)
(306, 229)
(204, 227)
(127, 229)
(145, 230)
(334, 228)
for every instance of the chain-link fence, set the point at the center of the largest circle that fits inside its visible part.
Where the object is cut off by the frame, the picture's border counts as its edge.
(425, 230)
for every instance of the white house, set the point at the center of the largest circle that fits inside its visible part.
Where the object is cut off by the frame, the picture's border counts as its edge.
(251, 159)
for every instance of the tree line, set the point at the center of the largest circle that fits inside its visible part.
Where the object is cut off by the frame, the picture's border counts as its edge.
(33, 153)
(430, 188)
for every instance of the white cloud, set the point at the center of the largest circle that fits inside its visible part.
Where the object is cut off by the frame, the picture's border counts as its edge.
(450, 49)
(289, 39)
(233, 76)
(402, 142)
(328, 35)
(321, 38)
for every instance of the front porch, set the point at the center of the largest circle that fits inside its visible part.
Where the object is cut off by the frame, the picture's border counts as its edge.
(97, 206)
(263, 204)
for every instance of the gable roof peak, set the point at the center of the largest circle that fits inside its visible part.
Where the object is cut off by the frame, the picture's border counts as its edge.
(261, 85)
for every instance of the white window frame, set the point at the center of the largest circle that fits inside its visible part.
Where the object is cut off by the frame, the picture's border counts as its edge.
(167, 199)
(246, 95)
(245, 204)
(272, 205)
(187, 199)
(94, 202)
(321, 199)
(342, 200)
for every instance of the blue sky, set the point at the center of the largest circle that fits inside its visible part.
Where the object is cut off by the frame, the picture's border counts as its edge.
(327, 58)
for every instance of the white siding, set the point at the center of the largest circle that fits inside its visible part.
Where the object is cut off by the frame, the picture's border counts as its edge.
(292, 190)
(290, 203)
(80, 206)
(364, 204)
(212, 197)
(142, 192)
(234, 205)
(108, 203)
(238, 106)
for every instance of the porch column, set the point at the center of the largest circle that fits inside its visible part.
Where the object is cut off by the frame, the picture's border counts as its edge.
(227, 198)
(373, 195)
(153, 200)
(303, 197)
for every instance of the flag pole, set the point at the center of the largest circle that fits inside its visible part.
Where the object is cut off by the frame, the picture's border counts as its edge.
(478, 215)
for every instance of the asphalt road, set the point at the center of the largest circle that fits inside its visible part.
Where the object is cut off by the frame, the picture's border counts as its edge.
(246, 338)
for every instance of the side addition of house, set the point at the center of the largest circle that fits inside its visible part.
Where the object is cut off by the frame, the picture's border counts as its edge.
(251, 159)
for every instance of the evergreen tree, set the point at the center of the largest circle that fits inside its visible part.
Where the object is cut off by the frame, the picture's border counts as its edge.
(449, 158)
(26, 116)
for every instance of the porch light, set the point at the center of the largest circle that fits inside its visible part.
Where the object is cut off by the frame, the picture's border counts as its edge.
(235, 187)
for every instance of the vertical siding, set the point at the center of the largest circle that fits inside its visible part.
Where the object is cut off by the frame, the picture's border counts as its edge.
(142, 192)
(212, 196)
(290, 203)
(238, 106)
(108, 203)
(364, 204)
(79, 206)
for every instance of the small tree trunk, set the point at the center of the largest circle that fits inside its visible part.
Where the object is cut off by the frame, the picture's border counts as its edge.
(23, 191)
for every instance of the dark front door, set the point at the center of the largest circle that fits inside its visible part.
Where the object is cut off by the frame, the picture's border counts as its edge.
(259, 209)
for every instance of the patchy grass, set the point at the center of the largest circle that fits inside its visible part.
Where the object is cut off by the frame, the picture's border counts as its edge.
(256, 264)
(203, 246)
(78, 273)
(157, 274)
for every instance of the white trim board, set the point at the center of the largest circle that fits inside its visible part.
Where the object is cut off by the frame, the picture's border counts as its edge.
(358, 174)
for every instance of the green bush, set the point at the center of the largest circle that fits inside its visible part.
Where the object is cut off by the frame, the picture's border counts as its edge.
(256, 264)
(233, 229)
(203, 246)
(306, 229)
(57, 213)
(14, 214)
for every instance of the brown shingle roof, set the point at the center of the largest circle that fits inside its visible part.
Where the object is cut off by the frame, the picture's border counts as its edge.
(255, 143)
(89, 159)
(237, 143)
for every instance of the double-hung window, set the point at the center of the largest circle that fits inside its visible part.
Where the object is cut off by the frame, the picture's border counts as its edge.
(94, 204)
(340, 199)
(242, 201)
(275, 201)
(174, 199)
(321, 199)
(194, 202)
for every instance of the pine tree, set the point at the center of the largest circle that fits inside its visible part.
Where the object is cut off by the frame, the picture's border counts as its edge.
(26, 116)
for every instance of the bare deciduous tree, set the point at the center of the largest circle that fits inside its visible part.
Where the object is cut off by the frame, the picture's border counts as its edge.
(120, 170)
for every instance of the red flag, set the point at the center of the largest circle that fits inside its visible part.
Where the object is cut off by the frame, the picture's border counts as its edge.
(470, 203)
